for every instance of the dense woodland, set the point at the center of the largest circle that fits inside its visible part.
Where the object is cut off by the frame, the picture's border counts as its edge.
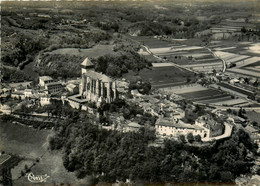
(111, 156)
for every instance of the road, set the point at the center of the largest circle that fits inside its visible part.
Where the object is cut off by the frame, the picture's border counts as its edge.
(223, 61)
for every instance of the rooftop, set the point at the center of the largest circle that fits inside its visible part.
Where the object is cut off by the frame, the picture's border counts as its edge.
(77, 98)
(53, 83)
(71, 85)
(98, 76)
(45, 78)
(177, 125)
(134, 125)
(87, 63)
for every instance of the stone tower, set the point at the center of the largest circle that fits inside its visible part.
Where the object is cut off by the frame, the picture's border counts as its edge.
(86, 65)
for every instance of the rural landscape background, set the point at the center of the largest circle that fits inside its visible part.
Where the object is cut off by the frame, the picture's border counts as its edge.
(187, 62)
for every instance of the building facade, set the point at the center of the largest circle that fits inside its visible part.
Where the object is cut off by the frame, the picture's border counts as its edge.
(53, 87)
(43, 80)
(175, 129)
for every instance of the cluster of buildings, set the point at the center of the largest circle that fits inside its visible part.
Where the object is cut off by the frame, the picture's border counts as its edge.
(169, 123)
(94, 88)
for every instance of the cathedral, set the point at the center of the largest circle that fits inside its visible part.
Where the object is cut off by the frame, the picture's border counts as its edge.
(95, 86)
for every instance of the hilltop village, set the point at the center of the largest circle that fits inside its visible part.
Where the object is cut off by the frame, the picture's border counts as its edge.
(113, 95)
(168, 114)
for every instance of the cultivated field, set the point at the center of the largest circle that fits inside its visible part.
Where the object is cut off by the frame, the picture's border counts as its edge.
(198, 93)
(242, 54)
(236, 89)
(245, 72)
(166, 76)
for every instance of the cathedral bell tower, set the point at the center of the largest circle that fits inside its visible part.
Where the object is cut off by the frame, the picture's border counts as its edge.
(86, 65)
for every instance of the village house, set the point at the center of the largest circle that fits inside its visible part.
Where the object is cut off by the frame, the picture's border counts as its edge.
(18, 95)
(45, 100)
(132, 127)
(215, 128)
(28, 93)
(53, 87)
(43, 80)
(72, 88)
(4, 108)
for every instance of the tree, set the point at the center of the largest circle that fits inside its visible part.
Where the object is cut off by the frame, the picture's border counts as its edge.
(243, 29)
(182, 138)
(197, 138)
(190, 138)
(145, 87)
(229, 111)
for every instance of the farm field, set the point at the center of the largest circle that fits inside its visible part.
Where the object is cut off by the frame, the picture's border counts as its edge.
(232, 102)
(163, 76)
(256, 64)
(242, 48)
(185, 88)
(198, 93)
(181, 54)
(216, 99)
(236, 89)
(240, 56)
(254, 69)
(248, 61)
(253, 116)
(98, 50)
(203, 94)
(245, 72)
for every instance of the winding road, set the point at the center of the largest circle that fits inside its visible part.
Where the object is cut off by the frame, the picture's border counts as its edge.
(223, 61)
(227, 133)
